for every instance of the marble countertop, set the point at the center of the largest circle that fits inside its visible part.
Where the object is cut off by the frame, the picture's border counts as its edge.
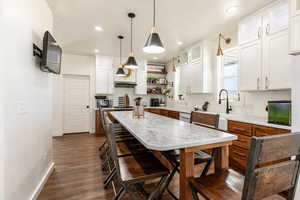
(162, 133)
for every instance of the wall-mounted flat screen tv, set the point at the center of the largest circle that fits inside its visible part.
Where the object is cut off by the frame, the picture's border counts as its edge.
(51, 56)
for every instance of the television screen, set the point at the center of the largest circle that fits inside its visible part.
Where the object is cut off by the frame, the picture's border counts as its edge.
(51, 59)
(279, 112)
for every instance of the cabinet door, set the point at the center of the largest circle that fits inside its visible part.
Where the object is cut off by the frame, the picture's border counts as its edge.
(294, 35)
(141, 80)
(250, 66)
(196, 78)
(185, 79)
(277, 19)
(295, 8)
(250, 29)
(104, 80)
(277, 61)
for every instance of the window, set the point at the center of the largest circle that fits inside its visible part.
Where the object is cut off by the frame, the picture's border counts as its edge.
(229, 73)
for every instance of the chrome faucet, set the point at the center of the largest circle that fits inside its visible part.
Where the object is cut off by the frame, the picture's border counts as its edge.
(228, 108)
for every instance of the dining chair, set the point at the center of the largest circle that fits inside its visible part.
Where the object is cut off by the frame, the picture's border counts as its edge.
(265, 176)
(134, 170)
(202, 119)
(125, 147)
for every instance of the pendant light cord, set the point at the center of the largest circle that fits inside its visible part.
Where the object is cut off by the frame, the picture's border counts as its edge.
(131, 37)
(120, 51)
(154, 13)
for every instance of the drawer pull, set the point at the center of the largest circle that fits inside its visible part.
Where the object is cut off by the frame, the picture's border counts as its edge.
(240, 129)
(239, 154)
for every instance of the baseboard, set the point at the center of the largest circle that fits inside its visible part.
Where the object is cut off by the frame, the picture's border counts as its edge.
(41, 184)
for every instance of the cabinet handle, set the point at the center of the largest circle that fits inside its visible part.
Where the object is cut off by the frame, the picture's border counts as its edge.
(267, 83)
(239, 129)
(268, 29)
(258, 81)
(258, 32)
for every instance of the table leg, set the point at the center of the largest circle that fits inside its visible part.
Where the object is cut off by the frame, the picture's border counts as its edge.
(186, 172)
(222, 158)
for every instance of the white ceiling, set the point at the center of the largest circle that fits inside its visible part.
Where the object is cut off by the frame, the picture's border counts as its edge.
(177, 20)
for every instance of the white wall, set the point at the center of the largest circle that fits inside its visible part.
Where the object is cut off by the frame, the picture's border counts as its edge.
(296, 103)
(27, 98)
(73, 65)
(2, 147)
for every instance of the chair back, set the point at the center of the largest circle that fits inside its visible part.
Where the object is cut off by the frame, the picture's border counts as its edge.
(210, 120)
(275, 177)
(111, 138)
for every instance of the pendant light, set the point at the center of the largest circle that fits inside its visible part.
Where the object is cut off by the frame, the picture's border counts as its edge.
(153, 44)
(131, 62)
(120, 71)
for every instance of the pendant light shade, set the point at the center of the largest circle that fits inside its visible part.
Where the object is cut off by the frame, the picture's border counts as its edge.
(154, 44)
(131, 62)
(120, 71)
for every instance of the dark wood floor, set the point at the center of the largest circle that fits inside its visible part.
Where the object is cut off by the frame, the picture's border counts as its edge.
(78, 175)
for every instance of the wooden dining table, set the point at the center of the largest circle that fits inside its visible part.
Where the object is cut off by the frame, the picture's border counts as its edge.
(159, 133)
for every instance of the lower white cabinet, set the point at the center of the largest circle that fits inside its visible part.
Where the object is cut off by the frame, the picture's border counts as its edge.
(294, 35)
(104, 80)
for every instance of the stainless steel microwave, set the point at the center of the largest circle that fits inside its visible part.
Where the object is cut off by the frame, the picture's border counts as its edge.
(280, 112)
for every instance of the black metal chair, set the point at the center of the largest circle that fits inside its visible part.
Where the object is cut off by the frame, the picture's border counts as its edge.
(132, 171)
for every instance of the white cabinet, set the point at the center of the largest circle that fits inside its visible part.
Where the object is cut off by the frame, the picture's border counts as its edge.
(295, 27)
(265, 62)
(196, 76)
(250, 66)
(295, 7)
(104, 80)
(250, 29)
(104, 75)
(141, 79)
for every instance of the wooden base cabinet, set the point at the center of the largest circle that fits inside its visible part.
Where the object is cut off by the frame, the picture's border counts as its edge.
(163, 112)
(238, 152)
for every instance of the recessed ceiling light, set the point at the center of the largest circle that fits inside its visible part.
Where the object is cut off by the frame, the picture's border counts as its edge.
(96, 50)
(179, 43)
(98, 28)
(155, 58)
(232, 10)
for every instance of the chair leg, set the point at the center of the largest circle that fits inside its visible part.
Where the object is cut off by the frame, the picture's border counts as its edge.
(168, 181)
(106, 162)
(194, 193)
(171, 194)
(110, 178)
(120, 194)
(103, 145)
(156, 192)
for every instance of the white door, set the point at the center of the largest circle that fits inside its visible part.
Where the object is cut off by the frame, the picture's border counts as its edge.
(250, 66)
(76, 104)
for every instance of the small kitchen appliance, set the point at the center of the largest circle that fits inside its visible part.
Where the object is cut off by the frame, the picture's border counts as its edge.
(154, 102)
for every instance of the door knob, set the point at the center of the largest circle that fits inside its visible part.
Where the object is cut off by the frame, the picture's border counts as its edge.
(87, 107)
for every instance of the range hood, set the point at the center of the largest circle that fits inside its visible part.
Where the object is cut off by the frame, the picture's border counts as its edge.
(124, 84)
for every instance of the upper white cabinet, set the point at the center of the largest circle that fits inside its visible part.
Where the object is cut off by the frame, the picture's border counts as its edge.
(141, 79)
(196, 75)
(104, 75)
(250, 29)
(265, 62)
(295, 27)
(104, 80)
(295, 7)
